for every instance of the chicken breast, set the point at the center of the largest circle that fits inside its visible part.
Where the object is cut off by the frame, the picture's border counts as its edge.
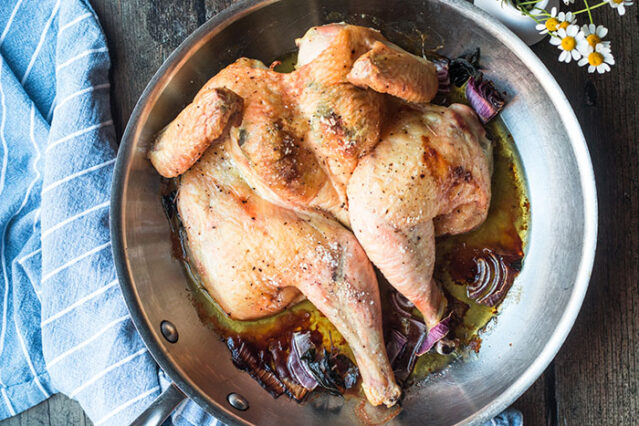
(429, 175)
(336, 64)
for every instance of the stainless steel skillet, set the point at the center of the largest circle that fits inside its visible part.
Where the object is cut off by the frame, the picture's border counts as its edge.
(543, 303)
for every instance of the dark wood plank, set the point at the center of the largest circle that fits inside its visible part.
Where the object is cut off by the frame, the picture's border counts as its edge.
(36, 416)
(532, 403)
(141, 34)
(64, 411)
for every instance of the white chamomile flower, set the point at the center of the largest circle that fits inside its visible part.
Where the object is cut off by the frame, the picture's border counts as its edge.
(569, 2)
(556, 21)
(598, 58)
(592, 36)
(620, 5)
(566, 41)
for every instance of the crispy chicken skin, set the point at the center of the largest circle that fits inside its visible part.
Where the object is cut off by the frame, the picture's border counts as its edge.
(185, 139)
(256, 258)
(429, 175)
(284, 158)
(388, 70)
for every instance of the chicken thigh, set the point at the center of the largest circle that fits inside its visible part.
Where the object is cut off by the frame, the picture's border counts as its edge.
(429, 175)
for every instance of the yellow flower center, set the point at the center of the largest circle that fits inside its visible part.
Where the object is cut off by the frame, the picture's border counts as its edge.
(593, 39)
(552, 24)
(568, 43)
(618, 1)
(595, 59)
(564, 25)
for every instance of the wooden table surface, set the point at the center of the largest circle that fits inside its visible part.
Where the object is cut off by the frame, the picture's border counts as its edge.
(594, 378)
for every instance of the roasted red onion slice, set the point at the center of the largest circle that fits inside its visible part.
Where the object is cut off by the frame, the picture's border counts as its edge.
(395, 345)
(401, 305)
(301, 344)
(435, 334)
(442, 65)
(484, 97)
(244, 357)
(493, 278)
(409, 337)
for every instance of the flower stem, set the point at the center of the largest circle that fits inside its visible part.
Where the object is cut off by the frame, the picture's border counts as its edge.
(528, 2)
(588, 9)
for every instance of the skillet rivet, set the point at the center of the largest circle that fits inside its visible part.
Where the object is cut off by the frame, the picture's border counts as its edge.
(237, 401)
(169, 331)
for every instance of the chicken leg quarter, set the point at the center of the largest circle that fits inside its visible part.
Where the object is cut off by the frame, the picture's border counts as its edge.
(429, 175)
(255, 258)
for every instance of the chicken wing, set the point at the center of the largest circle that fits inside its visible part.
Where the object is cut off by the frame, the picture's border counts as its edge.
(185, 139)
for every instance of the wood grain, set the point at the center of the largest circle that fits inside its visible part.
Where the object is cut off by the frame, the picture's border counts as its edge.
(64, 411)
(593, 379)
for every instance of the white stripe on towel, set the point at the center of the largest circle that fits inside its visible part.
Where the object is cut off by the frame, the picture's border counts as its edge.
(2, 173)
(82, 92)
(10, 21)
(79, 346)
(78, 133)
(81, 55)
(79, 302)
(126, 405)
(76, 174)
(75, 260)
(75, 21)
(30, 255)
(29, 363)
(105, 372)
(47, 25)
(12, 412)
(74, 217)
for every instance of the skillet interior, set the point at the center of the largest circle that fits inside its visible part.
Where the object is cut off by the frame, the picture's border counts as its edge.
(541, 306)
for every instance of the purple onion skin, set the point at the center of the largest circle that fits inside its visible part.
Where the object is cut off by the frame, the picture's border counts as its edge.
(435, 334)
(443, 75)
(395, 345)
(300, 344)
(484, 98)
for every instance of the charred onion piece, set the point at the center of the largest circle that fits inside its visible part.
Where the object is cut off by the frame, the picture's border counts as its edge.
(395, 345)
(464, 67)
(331, 371)
(409, 338)
(245, 359)
(280, 360)
(301, 344)
(401, 305)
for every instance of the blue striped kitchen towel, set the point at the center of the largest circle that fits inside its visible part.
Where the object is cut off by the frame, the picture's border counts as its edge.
(64, 325)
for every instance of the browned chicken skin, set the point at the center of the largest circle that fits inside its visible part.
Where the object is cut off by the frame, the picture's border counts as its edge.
(290, 153)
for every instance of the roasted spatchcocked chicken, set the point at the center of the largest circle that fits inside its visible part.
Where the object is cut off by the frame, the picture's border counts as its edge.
(276, 167)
